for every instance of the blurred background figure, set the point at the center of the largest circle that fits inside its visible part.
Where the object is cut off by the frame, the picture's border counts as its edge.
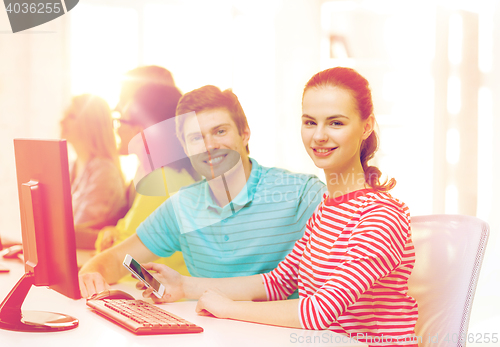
(97, 184)
(140, 76)
(150, 104)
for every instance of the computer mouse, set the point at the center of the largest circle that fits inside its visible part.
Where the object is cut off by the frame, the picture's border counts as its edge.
(112, 294)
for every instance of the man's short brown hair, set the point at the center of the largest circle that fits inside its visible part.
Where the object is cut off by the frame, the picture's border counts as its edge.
(209, 98)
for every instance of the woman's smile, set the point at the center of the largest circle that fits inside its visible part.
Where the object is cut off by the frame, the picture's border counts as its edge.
(323, 152)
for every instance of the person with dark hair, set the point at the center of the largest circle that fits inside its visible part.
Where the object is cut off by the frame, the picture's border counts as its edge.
(140, 76)
(353, 263)
(241, 219)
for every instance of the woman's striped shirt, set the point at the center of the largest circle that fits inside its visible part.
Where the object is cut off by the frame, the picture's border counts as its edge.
(351, 268)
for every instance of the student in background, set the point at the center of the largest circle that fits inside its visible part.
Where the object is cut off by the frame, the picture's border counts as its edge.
(97, 184)
(132, 82)
(151, 104)
(140, 76)
(148, 96)
(353, 263)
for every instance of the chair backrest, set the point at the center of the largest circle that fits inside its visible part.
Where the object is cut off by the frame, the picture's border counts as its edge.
(449, 250)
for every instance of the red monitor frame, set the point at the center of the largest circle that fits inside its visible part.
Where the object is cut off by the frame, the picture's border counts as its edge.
(48, 233)
(54, 259)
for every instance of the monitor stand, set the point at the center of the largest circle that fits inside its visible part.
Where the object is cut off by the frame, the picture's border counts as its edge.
(13, 318)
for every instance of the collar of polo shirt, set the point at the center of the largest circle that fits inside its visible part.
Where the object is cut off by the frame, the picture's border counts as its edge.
(243, 197)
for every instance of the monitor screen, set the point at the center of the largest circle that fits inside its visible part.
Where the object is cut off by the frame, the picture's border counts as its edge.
(47, 231)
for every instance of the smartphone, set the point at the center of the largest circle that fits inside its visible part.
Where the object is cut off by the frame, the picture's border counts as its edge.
(144, 276)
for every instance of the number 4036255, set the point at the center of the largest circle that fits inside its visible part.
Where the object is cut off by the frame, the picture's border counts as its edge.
(34, 7)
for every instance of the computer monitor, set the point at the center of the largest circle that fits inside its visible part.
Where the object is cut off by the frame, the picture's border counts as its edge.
(48, 234)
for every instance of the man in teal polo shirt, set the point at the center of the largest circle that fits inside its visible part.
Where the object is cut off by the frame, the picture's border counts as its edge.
(238, 221)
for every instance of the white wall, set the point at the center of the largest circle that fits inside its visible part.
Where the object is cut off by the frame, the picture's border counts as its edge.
(34, 89)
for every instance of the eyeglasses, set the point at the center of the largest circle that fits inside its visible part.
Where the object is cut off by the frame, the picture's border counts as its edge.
(117, 122)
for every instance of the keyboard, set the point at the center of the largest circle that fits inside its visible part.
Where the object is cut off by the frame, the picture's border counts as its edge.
(142, 318)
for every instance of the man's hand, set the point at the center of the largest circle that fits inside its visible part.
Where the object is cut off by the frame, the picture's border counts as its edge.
(91, 283)
(214, 302)
(171, 280)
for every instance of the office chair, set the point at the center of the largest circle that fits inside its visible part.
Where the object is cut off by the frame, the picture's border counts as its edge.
(449, 250)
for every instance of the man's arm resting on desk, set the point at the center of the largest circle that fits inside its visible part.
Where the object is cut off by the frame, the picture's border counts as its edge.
(106, 267)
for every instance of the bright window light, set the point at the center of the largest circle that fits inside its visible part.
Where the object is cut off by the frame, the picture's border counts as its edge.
(103, 50)
(452, 146)
(454, 103)
(390, 87)
(196, 46)
(129, 165)
(455, 38)
(485, 42)
(485, 153)
(256, 7)
(383, 6)
(403, 32)
(329, 7)
(451, 200)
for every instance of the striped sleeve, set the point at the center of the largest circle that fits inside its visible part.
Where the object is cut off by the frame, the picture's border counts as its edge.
(375, 249)
(282, 281)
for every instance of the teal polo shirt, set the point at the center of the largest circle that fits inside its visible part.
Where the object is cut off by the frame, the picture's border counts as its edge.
(250, 237)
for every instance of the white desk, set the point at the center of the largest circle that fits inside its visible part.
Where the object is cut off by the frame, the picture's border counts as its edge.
(95, 331)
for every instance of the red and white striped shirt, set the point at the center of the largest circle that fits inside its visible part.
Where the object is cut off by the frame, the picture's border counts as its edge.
(352, 267)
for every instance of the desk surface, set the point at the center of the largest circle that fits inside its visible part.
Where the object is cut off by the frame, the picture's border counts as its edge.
(93, 330)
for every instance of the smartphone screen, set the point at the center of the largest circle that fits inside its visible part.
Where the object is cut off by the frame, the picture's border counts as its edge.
(144, 274)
